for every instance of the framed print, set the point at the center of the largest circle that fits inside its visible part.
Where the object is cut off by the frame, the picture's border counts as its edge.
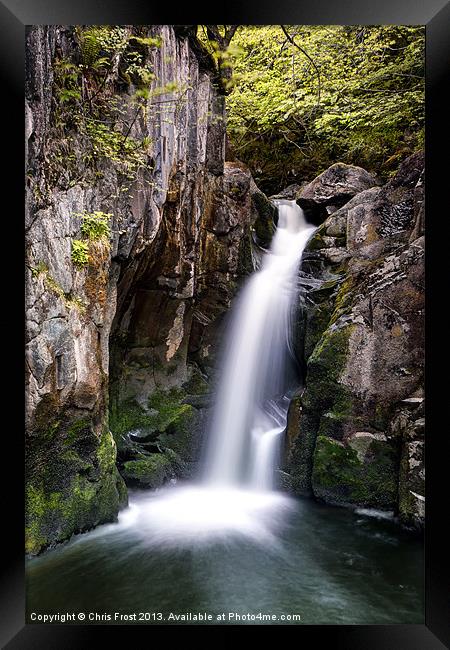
(227, 415)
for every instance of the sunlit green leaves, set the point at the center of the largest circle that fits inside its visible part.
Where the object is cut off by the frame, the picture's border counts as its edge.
(371, 101)
(80, 253)
(95, 225)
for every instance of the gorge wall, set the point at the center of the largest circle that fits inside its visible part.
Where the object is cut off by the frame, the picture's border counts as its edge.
(137, 235)
(357, 431)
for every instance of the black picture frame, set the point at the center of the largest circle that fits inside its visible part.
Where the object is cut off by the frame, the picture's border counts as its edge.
(14, 16)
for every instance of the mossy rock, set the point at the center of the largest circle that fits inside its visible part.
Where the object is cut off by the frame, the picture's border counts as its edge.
(344, 299)
(77, 492)
(316, 321)
(340, 477)
(125, 417)
(150, 472)
(264, 225)
(168, 429)
(382, 415)
(331, 425)
(245, 257)
(165, 408)
(197, 383)
(301, 453)
(325, 366)
(169, 407)
(316, 242)
(182, 436)
(326, 404)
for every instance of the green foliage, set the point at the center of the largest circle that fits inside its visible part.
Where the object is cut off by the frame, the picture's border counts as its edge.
(349, 93)
(136, 69)
(95, 228)
(216, 40)
(149, 41)
(97, 40)
(66, 77)
(95, 225)
(128, 154)
(80, 253)
(91, 121)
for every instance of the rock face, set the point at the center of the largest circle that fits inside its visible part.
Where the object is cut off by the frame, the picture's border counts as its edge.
(358, 427)
(290, 192)
(141, 298)
(166, 335)
(332, 189)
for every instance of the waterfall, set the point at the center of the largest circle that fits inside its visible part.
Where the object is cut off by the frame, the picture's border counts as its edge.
(251, 406)
(234, 496)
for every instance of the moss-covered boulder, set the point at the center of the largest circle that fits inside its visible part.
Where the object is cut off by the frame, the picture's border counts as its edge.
(162, 409)
(300, 459)
(326, 404)
(164, 438)
(183, 436)
(150, 472)
(326, 394)
(343, 476)
(77, 492)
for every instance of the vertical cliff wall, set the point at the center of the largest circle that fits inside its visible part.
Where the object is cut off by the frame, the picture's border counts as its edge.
(357, 431)
(137, 236)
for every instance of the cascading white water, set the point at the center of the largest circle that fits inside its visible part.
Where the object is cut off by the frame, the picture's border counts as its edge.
(234, 496)
(251, 409)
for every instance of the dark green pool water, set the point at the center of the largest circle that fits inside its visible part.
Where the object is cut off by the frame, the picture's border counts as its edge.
(328, 565)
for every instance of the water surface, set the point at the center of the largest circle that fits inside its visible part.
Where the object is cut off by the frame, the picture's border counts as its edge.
(284, 557)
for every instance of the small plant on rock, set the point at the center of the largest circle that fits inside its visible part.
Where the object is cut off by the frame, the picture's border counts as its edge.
(80, 255)
(95, 225)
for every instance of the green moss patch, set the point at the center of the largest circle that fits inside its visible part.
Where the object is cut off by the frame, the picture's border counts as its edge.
(72, 483)
(165, 408)
(344, 298)
(54, 516)
(152, 471)
(125, 417)
(316, 242)
(169, 407)
(325, 365)
(339, 476)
